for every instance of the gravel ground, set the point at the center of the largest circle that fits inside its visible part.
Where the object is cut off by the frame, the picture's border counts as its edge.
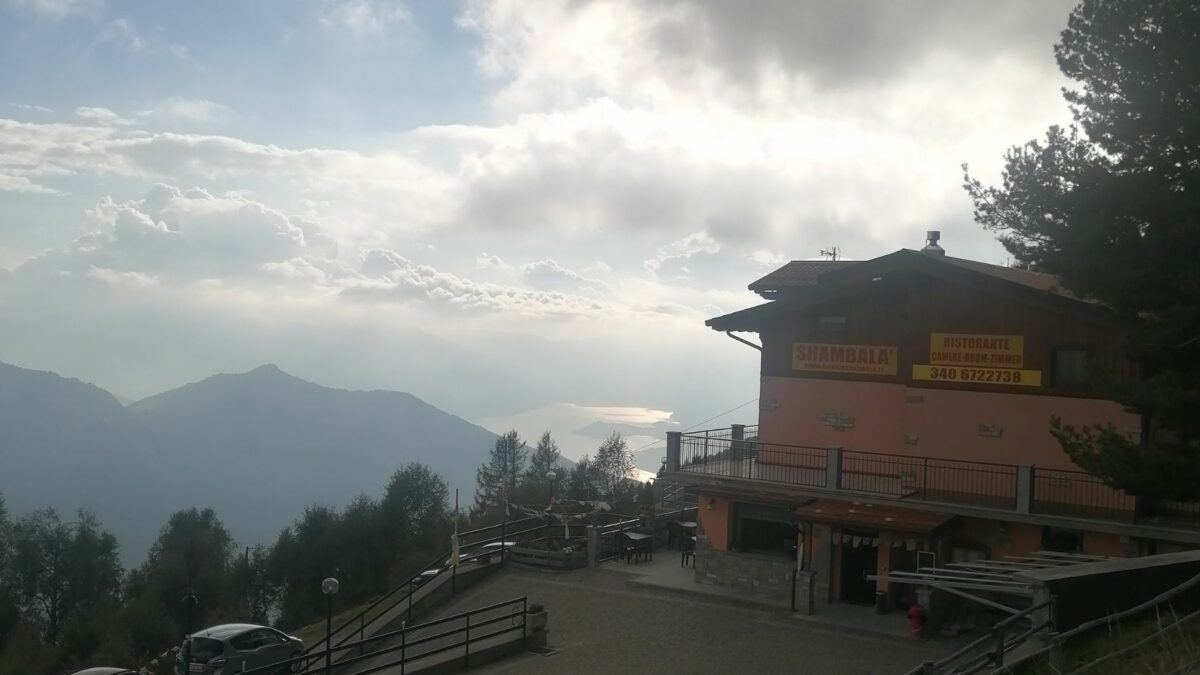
(601, 624)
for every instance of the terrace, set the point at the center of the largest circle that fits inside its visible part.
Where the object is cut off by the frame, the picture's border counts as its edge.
(734, 461)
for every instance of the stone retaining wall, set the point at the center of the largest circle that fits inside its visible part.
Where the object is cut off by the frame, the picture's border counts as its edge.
(765, 578)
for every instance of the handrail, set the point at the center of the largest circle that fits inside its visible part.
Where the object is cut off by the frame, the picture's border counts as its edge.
(1054, 640)
(926, 458)
(408, 584)
(986, 638)
(406, 644)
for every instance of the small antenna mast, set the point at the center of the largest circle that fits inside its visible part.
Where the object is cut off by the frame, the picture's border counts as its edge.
(833, 252)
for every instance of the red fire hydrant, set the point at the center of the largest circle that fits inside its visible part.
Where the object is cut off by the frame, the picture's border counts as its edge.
(916, 619)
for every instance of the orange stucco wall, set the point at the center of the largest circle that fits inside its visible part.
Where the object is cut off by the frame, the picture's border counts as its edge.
(999, 538)
(714, 518)
(944, 423)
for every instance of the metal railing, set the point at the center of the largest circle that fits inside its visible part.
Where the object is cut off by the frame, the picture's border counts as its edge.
(734, 458)
(972, 658)
(381, 609)
(415, 642)
(1074, 493)
(1006, 487)
(930, 479)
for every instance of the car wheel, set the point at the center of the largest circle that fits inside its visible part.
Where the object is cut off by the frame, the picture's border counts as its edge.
(298, 666)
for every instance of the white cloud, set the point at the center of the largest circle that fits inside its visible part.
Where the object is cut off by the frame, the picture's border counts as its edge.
(180, 236)
(10, 183)
(768, 259)
(59, 9)
(33, 108)
(191, 110)
(697, 243)
(102, 116)
(392, 277)
(485, 261)
(125, 33)
(126, 279)
(365, 18)
(550, 275)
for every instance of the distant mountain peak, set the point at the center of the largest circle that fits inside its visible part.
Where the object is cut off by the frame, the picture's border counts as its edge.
(267, 370)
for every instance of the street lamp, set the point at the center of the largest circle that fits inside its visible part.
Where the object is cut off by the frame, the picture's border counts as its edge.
(550, 476)
(189, 603)
(329, 587)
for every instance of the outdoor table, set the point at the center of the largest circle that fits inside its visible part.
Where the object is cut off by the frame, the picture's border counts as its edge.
(642, 543)
(678, 531)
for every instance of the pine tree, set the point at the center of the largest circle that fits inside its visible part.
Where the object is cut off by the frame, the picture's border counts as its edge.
(499, 476)
(545, 458)
(581, 483)
(1112, 207)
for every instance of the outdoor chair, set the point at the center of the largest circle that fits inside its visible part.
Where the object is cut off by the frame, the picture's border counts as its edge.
(687, 551)
(625, 548)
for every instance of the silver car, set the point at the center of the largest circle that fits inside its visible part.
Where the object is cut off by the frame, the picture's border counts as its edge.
(236, 647)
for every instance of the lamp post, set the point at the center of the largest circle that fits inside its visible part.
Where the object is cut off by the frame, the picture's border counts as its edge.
(550, 476)
(329, 587)
(189, 602)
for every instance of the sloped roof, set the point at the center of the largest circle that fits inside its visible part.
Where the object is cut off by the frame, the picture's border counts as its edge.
(808, 284)
(797, 273)
(807, 273)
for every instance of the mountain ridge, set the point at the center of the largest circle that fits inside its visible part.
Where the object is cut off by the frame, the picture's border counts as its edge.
(257, 446)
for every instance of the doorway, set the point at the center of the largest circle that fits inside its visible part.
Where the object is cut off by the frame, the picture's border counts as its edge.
(857, 562)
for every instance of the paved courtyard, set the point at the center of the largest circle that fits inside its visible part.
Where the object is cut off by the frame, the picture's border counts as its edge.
(603, 621)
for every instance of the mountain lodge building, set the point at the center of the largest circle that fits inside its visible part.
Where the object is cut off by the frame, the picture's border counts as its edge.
(904, 422)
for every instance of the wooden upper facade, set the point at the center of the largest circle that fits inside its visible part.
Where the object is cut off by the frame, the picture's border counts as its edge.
(1001, 332)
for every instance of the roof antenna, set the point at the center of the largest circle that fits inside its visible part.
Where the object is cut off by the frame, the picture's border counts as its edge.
(832, 253)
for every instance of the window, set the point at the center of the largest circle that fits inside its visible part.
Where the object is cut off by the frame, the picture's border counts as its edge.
(1071, 367)
(245, 642)
(205, 649)
(763, 529)
(1062, 540)
(831, 325)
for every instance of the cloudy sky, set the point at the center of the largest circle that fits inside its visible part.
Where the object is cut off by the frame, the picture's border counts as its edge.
(503, 206)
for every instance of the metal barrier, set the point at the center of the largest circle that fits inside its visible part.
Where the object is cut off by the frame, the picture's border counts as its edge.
(997, 638)
(1005, 487)
(415, 638)
(1074, 493)
(733, 458)
(930, 479)
(389, 601)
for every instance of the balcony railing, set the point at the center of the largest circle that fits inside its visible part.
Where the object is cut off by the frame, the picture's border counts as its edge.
(930, 480)
(738, 458)
(734, 453)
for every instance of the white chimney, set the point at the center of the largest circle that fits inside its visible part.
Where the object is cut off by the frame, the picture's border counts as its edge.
(931, 244)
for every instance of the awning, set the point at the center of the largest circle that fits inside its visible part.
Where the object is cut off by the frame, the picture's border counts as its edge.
(872, 516)
(1003, 575)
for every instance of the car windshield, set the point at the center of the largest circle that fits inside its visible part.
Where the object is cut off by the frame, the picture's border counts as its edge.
(205, 649)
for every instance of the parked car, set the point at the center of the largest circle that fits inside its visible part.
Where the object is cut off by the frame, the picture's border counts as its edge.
(105, 670)
(495, 547)
(426, 576)
(235, 647)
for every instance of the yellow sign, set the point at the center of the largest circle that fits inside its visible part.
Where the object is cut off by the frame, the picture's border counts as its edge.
(862, 359)
(1024, 378)
(995, 351)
